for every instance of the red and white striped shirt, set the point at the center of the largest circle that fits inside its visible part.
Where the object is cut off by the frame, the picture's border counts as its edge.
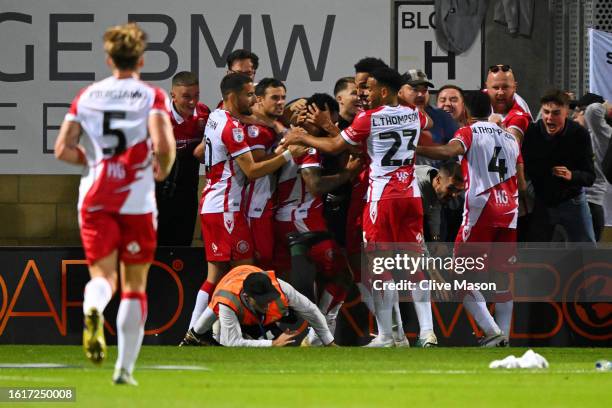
(294, 200)
(260, 195)
(114, 115)
(225, 140)
(489, 170)
(391, 134)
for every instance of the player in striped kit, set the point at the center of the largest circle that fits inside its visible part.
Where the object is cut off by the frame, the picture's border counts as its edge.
(229, 165)
(493, 173)
(393, 213)
(126, 121)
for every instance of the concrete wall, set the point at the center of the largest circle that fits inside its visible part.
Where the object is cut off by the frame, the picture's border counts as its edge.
(529, 57)
(42, 210)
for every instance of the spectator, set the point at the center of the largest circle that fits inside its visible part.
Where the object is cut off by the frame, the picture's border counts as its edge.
(415, 91)
(591, 113)
(437, 188)
(177, 196)
(451, 100)
(559, 161)
(243, 61)
(509, 109)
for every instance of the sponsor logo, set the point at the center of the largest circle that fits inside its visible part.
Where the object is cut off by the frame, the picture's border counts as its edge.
(214, 247)
(402, 176)
(465, 232)
(312, 150)
(242, 246)
(419, 237)
(133, 247)
(253, 131)
(238, 135)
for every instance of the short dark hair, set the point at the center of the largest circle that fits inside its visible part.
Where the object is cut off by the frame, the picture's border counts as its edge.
(260, 88)
(479, 105)
(369, 64)
(388, 77)
(451, 168)
(185, 78)
(455, 87)
(322, 99)
(342, 84)
(555, 96)
(241, 54)
(233, 83)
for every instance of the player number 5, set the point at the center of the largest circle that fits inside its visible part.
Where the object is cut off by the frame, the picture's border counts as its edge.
(118, 133)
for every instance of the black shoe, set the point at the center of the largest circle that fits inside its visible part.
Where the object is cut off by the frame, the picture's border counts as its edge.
(194, 339)
(307, 239)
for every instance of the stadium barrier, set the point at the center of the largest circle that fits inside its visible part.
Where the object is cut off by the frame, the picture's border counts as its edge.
(41, 296)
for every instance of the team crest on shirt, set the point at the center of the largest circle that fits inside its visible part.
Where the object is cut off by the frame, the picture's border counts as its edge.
(238, 135)
(253, 131)
(133, 247)
(242, 246)
(373, 212)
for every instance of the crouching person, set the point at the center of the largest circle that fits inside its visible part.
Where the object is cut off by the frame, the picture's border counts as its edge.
(249, 302)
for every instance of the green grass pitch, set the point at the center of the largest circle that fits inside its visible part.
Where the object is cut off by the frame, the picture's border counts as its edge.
(318, 377)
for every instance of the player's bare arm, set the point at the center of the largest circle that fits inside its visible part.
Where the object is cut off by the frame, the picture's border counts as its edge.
(331, 145)
(67, 146)
(164, 145)
(254, 170)
(448, 151)
(318, 185)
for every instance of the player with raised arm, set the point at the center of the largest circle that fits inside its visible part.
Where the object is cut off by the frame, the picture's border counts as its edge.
(393, 213)
(126, 120)
(493, 173)
(229, 165)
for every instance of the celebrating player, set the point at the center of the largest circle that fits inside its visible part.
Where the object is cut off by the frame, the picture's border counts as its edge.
(492, 170)
(117, 211)
(229, 163)
(260, 197)
(393, 213)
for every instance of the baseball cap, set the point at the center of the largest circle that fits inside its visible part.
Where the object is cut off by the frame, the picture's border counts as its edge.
(259, 286)
(415, 77)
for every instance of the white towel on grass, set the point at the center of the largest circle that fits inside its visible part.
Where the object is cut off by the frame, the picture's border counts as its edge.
(530, 359)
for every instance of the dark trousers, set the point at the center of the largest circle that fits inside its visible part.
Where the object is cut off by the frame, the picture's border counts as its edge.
(572, 214)
(597, 213)
(177, 217)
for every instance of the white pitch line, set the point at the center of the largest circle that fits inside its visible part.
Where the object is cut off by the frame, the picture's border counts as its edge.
(31, 379)
(175, 367)
(446, 372)
(35, 365)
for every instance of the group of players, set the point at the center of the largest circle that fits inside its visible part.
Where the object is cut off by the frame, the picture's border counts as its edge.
(262, 205)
